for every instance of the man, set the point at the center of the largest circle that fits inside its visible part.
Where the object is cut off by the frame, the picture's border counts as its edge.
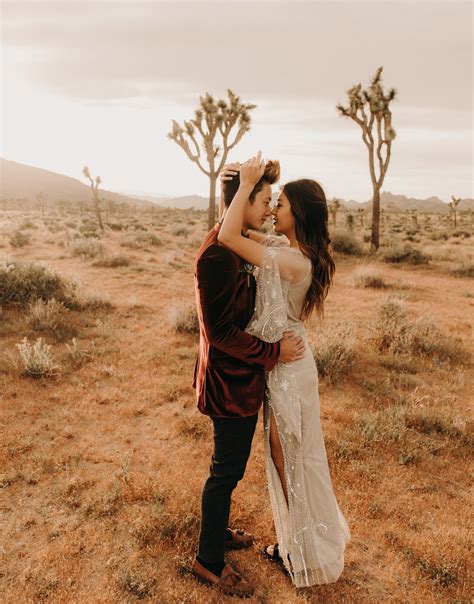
(230, 380)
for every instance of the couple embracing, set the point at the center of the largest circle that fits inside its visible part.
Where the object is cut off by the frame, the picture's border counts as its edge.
(254, 349)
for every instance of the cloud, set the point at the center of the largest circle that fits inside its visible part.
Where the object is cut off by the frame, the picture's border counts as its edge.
(104, 50)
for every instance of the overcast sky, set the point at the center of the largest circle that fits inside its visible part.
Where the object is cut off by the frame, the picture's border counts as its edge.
(98, 83)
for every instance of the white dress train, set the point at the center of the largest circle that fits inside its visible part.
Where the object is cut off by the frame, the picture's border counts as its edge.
(311, 530)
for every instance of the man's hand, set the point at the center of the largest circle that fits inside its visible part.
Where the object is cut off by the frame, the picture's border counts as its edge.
(291, 347)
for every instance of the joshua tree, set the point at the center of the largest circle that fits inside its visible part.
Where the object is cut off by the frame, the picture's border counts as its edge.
(212, 119)
(361, 214)
(95, 195)
(369, 108)
(40, 198)
(350, 221)
(414, 219)
(453, 206)
(334, 207)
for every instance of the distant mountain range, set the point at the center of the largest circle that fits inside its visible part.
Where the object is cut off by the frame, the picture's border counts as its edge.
(20, 182)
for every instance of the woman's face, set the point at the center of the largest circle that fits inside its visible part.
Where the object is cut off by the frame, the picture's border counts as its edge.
(282, 216)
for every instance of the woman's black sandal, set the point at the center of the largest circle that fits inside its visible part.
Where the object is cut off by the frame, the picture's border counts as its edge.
(275, 556)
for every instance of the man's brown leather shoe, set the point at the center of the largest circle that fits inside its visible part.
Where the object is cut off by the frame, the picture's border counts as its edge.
(240, 539)
(230, 582)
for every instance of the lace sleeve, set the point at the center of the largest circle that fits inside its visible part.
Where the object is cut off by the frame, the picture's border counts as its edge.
(276, 241)
(269, 319)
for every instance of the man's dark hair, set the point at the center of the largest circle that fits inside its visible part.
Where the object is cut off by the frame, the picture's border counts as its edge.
(270, 176)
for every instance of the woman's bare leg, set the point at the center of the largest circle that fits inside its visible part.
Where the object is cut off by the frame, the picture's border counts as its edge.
(277, 454)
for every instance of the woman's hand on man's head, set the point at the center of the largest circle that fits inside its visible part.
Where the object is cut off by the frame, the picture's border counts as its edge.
(252, 171)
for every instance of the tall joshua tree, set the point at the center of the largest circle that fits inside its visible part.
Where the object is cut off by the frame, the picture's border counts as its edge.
(95, 195)
(213, 124)
(334, 207)
(453, 206)
(370, 109)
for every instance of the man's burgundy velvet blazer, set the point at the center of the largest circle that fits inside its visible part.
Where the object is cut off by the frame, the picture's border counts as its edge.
(230, 369)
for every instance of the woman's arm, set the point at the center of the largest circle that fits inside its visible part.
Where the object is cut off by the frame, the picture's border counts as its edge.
(230, 233)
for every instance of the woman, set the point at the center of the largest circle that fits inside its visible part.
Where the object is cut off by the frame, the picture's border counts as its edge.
(295, 273)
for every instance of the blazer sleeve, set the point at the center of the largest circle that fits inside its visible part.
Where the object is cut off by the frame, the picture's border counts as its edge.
(216, 280)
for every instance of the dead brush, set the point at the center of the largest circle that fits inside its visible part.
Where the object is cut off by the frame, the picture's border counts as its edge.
(53, 318)
(334, 351)
(367, 275)
(183, 319)
(395, 333)
(37, 359)
(86, 248)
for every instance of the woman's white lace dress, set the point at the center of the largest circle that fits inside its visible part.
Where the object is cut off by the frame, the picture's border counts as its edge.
(311, 529)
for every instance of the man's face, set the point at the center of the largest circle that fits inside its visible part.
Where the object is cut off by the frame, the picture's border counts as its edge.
(256, 213)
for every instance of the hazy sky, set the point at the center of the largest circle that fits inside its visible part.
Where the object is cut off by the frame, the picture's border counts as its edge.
(98, 83)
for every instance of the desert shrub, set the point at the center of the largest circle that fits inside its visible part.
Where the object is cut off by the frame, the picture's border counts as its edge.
(462, 269)
(461, 233)
(116, 226)
(334, 351)
(407, 254)
(22, 283)
(37, 358)
(19, 239)
(184, 319)
(113, 261)
(140, 240)
(86, 248)
(395, 333)
(387, 424)
(180, 230)
(368, 276)
(27, 224)
(345, 243)
(52, 317)
(439, 235)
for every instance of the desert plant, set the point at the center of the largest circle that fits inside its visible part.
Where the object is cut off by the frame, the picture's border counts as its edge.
(86, 248)
(346, 243)
(19, 239)
(140, 240)
(180, 230)
(183, 318)
(464, 268)
(95, 195)
(368, 276)
(22, 283)
(407, 254)
(37, 358)
(113, 261)
(334, 351)
(334, 206)
(453, 206)
(51, 317)
(212, 119)
(378, 103)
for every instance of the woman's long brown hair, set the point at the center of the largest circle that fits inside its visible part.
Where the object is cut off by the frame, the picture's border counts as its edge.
(309, 207)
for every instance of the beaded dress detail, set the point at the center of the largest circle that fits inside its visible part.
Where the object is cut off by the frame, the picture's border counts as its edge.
(311, 530)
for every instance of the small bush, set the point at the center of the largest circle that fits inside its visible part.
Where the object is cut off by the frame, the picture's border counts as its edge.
(140, 240)
(184, 319)
(22, 283)
(463, 269)
(345, 243)
(368, 276)
(334, 351)
(52, 317)
(37, 359)
(395, 333)
(19, 239)
(406, 254)
(86, 248)
(113, 261)
(180, 230)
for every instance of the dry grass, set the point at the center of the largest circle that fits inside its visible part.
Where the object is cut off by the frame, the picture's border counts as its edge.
(102, 465)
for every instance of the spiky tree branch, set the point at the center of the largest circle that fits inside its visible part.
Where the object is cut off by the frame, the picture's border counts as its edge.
(213, 123)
